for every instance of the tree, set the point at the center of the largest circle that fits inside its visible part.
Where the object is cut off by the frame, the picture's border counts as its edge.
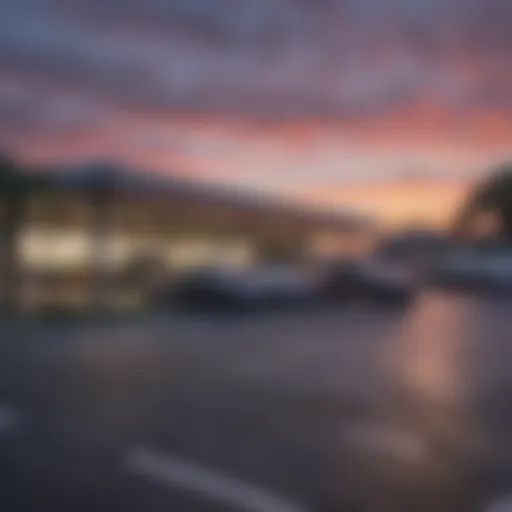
(492, 196)
(16, 186)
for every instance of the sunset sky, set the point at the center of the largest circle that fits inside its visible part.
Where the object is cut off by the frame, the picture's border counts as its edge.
(388, 106)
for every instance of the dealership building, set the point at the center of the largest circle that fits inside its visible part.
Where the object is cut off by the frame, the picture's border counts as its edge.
(136, 228)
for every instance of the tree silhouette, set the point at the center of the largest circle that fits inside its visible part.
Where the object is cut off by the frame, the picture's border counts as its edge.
(16, 186)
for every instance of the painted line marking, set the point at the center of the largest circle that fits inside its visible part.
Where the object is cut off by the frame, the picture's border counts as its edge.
(216, 486)
(501, 504)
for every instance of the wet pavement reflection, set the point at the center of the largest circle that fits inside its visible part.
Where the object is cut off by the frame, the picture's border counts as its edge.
(357, 408)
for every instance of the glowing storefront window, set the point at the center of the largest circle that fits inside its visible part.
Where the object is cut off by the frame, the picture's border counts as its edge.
(65, 249)
(50, 248)
(54, 248)
(191, 252)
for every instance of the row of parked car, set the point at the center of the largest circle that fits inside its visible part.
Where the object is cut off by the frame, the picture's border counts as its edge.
(280, 287)
(382, 276)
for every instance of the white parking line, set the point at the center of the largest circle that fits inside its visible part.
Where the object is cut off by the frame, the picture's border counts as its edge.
(500, 504)
(211, 484)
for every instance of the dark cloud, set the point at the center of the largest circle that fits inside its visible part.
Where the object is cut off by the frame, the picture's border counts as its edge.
(26, 110)
(255, 58)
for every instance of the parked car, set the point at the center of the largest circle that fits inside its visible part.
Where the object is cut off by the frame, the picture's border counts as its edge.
(474, 270)
(256, 289)
(279, 286)
(460, 269)
(498, 271)
(371, 279)
(202, 289)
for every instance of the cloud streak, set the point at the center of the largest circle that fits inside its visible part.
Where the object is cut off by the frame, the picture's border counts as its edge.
(265, 59)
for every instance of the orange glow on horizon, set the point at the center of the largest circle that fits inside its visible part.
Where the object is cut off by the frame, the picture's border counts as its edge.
(429, 203)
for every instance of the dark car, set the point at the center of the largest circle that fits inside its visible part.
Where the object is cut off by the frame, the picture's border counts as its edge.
(266, 288)
(202, 289)
(370, 279)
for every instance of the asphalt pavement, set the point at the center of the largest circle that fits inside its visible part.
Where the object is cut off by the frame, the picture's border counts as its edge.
(352, 408)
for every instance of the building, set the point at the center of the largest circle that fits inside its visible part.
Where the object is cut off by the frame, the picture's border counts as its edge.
(129, 229)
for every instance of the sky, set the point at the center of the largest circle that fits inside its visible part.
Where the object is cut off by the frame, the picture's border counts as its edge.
(392, 107)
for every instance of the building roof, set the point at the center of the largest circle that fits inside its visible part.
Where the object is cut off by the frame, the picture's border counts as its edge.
(107, 176)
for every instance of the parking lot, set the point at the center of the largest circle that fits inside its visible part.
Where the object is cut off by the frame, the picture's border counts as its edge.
(350, 407)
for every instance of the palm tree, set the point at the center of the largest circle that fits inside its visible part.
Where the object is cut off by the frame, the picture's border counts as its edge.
(493, 196)
(16, 186)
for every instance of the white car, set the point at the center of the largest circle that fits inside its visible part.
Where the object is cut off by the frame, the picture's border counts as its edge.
(476, 269)
(497, 270)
